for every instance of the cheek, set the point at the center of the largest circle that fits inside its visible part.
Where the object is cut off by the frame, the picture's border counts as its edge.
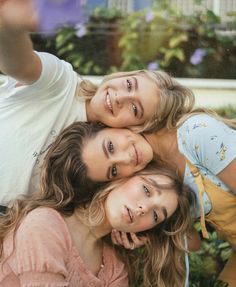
(144, 224)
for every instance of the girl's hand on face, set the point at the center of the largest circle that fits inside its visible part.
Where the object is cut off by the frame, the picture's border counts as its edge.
(130, 241)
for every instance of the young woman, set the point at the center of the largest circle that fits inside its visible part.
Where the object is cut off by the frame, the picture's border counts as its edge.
(43, 95)
(202, 150)
(52, 238)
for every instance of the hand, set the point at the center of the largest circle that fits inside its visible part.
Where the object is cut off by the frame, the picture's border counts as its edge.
(18, 15)
(129, 242)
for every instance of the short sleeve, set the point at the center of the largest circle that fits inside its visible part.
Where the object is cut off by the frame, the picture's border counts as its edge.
(41, 244)
(207, 142)
(56, 76)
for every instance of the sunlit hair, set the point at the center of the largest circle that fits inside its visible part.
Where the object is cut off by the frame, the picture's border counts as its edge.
(175, 99)
(64, 181)
(198, 111)
(162, 257)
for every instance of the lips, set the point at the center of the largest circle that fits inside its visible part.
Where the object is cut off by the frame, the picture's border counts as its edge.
(137, 155)
(108, 103)
(128, 214)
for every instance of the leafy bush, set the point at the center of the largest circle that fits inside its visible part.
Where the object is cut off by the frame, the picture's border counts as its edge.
(90, 48)
(159, 37)
(186, 46)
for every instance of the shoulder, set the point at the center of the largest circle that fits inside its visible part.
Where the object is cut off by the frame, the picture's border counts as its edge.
(43, 223)
(41, 243)
(200, 122)
(202, 129)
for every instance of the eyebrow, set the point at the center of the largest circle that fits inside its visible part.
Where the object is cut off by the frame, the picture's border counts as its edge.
(107, 156)
(136, 89)
(155, 185)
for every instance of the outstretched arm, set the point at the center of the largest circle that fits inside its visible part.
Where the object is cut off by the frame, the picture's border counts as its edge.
(17, 58)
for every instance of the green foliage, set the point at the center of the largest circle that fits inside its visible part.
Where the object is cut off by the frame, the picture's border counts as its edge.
(160, 35)
(227, 112)
(92, 51)
(206, 264)
(169, 39)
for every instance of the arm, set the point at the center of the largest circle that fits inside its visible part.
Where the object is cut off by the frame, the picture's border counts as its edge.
(194, 241)
(228, 174)
(17, 58)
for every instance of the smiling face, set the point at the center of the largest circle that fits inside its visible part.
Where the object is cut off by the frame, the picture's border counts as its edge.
(125, 101)
(138, 204)
(115, 153)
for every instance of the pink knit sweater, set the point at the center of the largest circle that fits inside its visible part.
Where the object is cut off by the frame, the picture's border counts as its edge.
(44, 256)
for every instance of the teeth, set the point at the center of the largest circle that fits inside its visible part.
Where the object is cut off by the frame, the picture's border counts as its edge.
(108, 101)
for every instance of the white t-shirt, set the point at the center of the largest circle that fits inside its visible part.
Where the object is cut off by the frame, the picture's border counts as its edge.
(30, 119)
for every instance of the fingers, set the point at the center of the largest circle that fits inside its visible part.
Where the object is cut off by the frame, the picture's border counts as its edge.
(138, 241)
(18, 14)
(130, 241)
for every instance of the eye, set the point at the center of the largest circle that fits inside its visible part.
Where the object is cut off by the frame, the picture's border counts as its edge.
(135, 110)
(146, 190)
(155, 216)
(129, 85)
(113, 171)
(110, 147)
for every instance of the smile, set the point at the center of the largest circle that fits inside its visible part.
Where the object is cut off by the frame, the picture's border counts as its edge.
(137, 156)
(108, 103)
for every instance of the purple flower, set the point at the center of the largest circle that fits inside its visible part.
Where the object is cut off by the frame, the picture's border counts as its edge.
(80, 30)
(149, 16)
(54, 14)
(152, 66)
(197, 56)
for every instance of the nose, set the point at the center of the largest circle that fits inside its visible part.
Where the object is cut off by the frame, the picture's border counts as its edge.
(124, 158)
(142, 209)
(122, 98)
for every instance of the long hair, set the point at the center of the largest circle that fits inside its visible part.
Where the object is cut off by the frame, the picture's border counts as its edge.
(175, 99)
(229, 122)
(161, 259)
(64, 181)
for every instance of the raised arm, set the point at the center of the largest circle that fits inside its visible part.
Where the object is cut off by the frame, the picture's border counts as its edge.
(17, 58)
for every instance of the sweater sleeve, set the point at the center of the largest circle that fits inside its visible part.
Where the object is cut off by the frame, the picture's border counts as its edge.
(40, 248)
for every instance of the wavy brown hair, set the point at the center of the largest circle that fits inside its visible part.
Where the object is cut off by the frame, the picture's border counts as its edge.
(64, 181)
(161, 260)
(175, 99)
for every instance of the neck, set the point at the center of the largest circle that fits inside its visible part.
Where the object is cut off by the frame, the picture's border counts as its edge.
(163, 143)
(92, 233)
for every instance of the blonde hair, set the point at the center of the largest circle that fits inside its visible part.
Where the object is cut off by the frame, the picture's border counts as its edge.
(175, 100)
(162, 257)
(229, 122)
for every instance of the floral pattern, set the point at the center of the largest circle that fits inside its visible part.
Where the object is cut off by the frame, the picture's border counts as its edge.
(210, 145)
